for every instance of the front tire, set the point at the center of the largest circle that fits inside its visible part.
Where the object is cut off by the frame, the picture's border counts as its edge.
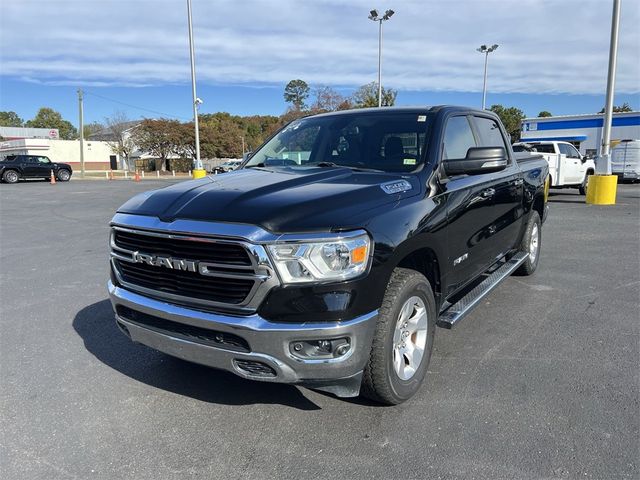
(403, 339)
(531, 243)
(10, 176)
(63, 175)
(583, 188)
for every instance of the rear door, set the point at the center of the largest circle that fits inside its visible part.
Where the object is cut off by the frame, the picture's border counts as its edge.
(30, 166)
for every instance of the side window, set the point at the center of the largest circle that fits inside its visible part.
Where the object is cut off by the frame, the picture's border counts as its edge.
(458, 138)
(489, 133)
(567, 150)
(31, 159)
(544, 148)
(574, 151)
(43, 160)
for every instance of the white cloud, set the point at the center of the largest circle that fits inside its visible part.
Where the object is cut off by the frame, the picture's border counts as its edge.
(546, 46)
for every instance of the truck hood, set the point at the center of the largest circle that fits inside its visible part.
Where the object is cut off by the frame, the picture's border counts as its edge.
(279, 200)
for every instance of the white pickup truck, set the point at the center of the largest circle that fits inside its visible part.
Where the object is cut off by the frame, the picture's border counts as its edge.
(567, 167)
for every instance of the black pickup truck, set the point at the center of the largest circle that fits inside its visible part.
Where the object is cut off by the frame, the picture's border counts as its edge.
(15, 167)
(329, 258)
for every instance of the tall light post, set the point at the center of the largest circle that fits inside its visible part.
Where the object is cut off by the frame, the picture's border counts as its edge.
(486, 50)
(602, 187)
(374, 16)
(198, 171)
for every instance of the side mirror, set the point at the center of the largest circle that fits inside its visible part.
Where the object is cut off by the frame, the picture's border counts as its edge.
(479, 160)
(246, 155)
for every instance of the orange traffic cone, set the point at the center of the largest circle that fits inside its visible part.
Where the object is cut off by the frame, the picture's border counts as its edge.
(53, 178)
(137, 177)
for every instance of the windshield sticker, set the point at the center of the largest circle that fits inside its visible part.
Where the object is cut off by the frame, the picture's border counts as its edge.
(422, 118)
(409, 161)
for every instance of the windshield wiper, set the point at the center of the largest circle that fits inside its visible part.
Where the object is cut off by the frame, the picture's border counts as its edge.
(332, 164)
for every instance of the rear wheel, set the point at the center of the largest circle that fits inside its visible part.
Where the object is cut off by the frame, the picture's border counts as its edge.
(531, 242)
(10, 176)
(403, 339)
(63, 175)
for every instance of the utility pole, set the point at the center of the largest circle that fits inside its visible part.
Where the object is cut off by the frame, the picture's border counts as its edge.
(198, 171)
(81, 122)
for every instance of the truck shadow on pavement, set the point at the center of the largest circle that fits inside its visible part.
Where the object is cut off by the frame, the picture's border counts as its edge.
(96, 326)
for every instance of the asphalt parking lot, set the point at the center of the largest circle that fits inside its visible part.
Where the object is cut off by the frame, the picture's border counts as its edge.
(541, 381)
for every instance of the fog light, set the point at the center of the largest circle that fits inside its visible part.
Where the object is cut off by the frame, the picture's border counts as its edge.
(342, 349)
(320, 349)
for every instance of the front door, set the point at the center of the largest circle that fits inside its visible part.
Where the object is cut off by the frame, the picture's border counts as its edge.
(483, 211)
(508, 186)
(469, 201)
(573, 167)
(113, 160)
(43, 167)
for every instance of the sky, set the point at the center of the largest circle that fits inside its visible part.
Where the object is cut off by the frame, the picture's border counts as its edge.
(133, 55)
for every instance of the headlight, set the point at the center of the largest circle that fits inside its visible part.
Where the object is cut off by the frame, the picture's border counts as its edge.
(321, 261)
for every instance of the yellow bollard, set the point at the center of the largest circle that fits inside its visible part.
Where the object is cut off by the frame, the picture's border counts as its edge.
(601, 189)
(199, 173)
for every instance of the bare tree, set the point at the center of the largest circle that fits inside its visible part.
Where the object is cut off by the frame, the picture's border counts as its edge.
(328, 100)
(119, 136)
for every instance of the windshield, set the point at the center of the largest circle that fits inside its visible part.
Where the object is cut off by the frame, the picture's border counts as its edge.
(387, 142)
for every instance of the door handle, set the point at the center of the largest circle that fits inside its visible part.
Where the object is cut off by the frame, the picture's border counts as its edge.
(489, 192)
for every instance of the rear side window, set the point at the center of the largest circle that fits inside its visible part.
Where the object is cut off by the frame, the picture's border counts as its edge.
(458, 138)
(489, 132)
(544, 147)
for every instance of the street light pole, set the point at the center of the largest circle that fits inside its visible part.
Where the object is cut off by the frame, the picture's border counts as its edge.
(602, 187)
(604, 164)
(486, 50)
(374, 16)
(198, 171)
(380, 63)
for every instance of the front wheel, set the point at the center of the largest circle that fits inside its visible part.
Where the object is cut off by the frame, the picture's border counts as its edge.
(63, 175)
(402, 341)
(583, 187)
(531, 242)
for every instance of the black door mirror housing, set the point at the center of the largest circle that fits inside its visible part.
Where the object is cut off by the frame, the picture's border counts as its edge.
(479, 160)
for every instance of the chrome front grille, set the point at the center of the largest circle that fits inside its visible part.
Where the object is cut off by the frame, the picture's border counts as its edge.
(192, 270)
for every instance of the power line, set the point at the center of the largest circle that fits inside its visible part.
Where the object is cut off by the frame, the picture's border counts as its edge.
(135, 106)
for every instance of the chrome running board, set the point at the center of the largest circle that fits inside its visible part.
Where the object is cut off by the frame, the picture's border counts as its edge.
(456, 312)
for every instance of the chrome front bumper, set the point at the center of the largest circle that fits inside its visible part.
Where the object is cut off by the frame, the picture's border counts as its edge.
(269, 343)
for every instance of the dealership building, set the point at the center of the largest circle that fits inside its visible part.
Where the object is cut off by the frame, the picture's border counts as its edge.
(583, 131)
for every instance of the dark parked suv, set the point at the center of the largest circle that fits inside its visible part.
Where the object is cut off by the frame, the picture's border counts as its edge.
(15, 167)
